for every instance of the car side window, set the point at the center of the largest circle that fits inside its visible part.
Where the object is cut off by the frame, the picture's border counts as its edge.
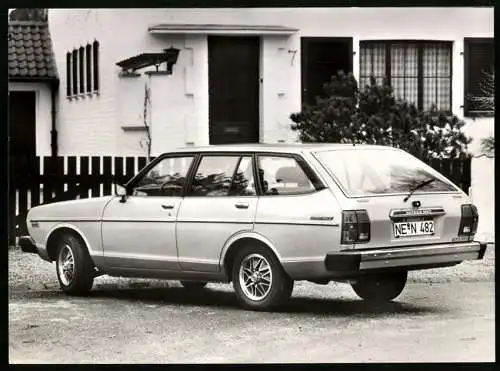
(280, 175)
(243, 181)
(214, 176)
(166, 178)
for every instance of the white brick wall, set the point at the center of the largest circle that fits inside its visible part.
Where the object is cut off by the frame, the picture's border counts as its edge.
(93, 125)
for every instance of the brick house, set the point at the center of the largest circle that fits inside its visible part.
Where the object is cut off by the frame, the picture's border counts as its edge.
(241, 72)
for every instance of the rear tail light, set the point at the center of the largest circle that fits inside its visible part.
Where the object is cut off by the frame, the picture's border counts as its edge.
(468, 221)
(355, 227)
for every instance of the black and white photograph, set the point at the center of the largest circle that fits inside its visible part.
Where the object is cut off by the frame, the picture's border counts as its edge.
(251, 185)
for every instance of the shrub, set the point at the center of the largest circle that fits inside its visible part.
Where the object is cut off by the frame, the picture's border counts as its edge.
(375, 116)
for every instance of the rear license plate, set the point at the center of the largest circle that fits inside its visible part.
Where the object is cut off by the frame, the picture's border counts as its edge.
(417, 228)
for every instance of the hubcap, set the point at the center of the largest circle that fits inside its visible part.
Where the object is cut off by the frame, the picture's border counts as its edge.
(255, 276)
(66, 265)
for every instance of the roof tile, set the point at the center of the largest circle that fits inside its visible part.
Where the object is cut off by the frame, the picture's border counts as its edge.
(30, 50)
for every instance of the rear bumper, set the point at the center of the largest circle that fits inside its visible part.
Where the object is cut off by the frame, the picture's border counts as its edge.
(27, 245)
(409, 257)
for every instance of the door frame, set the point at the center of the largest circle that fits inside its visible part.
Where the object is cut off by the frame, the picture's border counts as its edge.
(260, 62)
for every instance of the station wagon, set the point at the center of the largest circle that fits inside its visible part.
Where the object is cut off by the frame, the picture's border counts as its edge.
(262, 217)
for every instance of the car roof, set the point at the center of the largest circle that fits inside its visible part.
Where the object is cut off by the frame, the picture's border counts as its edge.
(278, 147)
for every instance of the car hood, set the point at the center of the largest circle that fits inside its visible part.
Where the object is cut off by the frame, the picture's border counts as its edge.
(82, 209)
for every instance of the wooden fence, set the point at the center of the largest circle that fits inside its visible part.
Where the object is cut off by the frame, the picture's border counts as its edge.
(43, 180)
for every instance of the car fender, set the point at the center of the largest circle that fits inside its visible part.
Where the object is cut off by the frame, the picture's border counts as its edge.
(246, 234)
(73, 227)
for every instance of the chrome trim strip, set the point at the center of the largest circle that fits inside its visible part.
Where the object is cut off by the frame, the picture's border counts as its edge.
(425, 211)
(415, 251)
(301, 224)
(214, 222)
(65, 220)
(138, 220)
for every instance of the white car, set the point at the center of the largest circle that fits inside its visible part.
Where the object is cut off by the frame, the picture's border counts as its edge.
(264, 216)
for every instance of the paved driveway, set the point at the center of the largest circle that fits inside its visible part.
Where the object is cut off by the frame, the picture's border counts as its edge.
(451, 321)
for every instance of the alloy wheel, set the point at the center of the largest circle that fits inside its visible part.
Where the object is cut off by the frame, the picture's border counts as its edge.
(255, 277)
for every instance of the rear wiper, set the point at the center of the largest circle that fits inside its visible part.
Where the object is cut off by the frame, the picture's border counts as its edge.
(423, 184)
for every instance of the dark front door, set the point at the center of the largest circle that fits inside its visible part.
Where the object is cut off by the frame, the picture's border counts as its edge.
(22, 119)
(323, 57)
(233, 89)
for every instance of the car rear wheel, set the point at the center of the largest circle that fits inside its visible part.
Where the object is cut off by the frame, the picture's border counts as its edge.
(259, 279)
(381, 287)
(73, 266)
(193, 285)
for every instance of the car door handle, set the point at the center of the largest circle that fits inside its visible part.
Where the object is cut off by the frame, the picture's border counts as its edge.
(241, 205)
(168, 207)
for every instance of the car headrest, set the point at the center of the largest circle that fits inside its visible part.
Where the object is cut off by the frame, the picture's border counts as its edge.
(291, 174)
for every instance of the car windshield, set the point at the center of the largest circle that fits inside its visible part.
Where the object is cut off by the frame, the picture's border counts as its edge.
(373, 171)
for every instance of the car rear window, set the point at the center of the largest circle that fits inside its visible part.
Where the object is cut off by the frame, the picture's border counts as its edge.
(380, 171)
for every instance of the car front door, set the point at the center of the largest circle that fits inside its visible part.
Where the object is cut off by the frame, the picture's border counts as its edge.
(220, 202)
(139, 230)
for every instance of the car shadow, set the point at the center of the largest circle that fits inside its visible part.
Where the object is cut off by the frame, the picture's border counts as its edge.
(296, 305)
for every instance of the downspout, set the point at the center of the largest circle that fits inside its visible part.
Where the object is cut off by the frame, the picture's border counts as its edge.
(53, 132)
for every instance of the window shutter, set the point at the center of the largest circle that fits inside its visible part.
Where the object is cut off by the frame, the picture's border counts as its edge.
(479, 61)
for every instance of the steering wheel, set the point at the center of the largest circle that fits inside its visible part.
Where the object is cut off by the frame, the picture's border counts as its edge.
(170, 187)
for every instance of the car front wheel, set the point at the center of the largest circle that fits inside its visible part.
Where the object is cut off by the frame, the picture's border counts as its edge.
(259, 279)
(380, 287)
(74, 266)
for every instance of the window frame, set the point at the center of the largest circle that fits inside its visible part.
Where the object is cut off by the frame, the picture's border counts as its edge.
(467, 42)
(420, 66)
(306, 168)
(129, 186)
(237, 154)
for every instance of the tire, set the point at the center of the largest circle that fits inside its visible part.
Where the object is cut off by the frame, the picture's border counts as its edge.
(75, 278)
(193, 285)
(272, 288)
(382, 287)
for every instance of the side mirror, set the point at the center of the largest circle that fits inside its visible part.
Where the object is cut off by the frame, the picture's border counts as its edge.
(121, 190)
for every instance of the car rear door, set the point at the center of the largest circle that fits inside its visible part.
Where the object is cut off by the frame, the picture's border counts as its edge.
(296, 211)
(220, 202)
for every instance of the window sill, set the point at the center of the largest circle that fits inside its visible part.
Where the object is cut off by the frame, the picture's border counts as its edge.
(479, 114)
(133, 128)
(157, 73)
(125, 74)
(83, 95)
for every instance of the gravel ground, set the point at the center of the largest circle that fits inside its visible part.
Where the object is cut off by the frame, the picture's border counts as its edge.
(443, 315)
(28, 271)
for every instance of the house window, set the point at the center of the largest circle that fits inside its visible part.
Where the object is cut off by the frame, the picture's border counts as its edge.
(88, 66)
(95, 54)
(68, 74)
(82, 70)
(479, 59)
(419, 72)
(75, 71)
